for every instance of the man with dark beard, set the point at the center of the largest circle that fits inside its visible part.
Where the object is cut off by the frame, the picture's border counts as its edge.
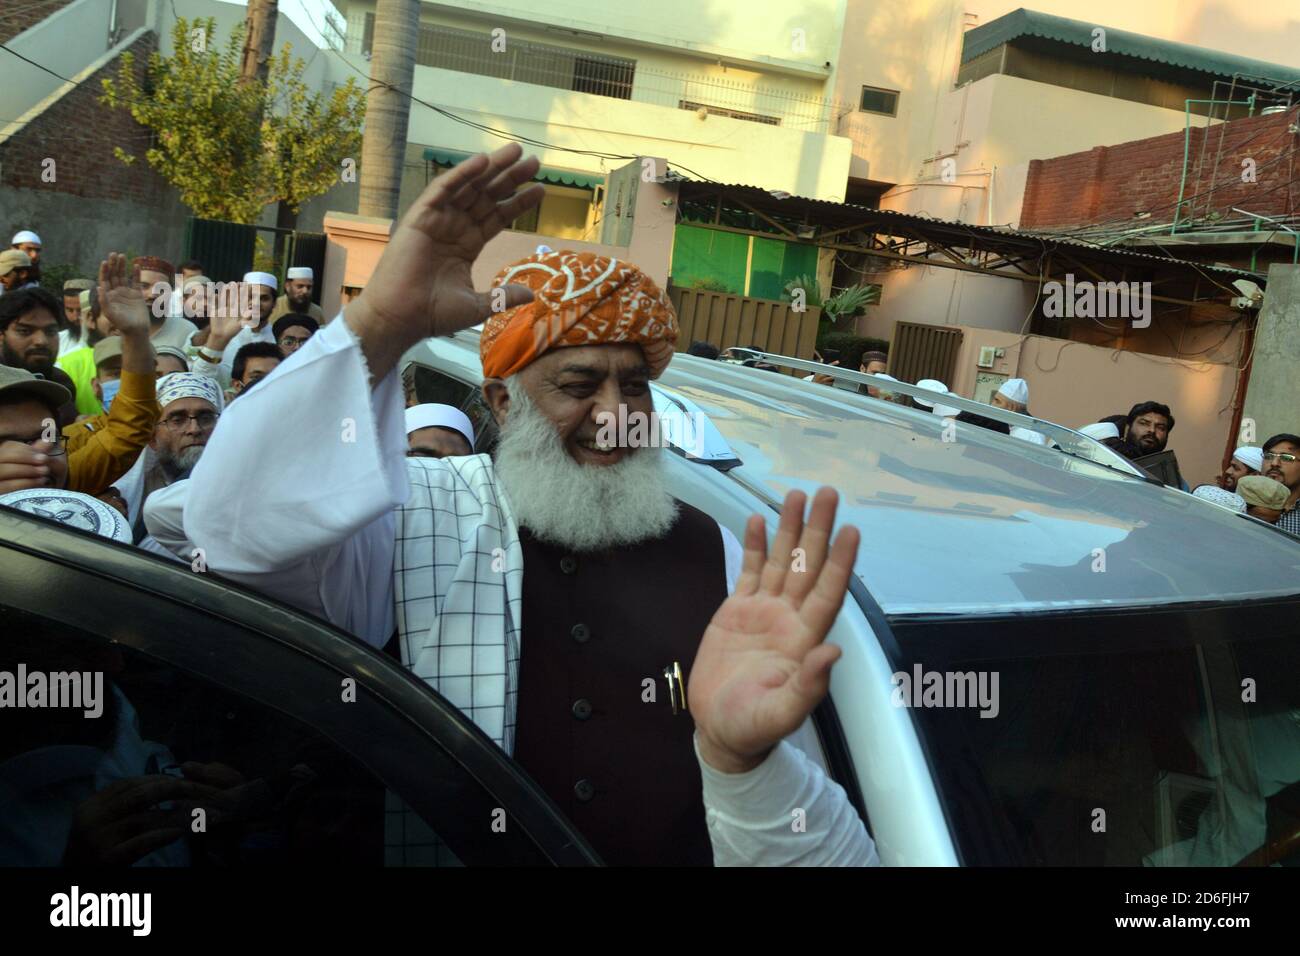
(298, 284)
(573, 535)
(30, 320)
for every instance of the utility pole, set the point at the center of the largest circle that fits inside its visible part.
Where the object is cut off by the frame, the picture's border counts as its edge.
(259, 44)
(388, 106)
(258, 40)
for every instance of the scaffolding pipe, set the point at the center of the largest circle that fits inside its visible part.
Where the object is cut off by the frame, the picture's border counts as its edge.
(1187, 142)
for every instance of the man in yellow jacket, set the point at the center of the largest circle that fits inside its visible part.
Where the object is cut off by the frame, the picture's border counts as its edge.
(103, 448)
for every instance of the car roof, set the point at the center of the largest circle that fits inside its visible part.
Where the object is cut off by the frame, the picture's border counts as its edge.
(958, 519)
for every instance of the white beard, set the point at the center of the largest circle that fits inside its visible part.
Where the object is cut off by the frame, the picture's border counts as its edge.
(580, 507)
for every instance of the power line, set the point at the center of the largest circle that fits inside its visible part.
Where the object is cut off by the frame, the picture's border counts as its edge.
(37, 65)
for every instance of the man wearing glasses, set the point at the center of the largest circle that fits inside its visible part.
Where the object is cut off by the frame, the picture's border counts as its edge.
(1282, 463)
(191, 405)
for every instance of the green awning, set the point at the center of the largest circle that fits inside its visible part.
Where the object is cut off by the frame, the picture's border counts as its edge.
(547, 174)
(1030, 23)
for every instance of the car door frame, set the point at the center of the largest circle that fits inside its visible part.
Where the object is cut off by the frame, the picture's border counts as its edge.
(149, 604)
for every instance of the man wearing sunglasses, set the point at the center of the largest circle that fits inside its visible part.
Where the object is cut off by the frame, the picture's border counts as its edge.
(1282, 463)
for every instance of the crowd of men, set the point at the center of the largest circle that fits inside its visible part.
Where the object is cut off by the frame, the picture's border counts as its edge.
(140, 380)
(143, 392)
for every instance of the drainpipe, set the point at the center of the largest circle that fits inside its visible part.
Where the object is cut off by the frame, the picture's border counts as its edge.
(1187, 140)
(992, 176)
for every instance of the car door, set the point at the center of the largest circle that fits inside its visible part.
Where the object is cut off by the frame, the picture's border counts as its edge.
(309, 746)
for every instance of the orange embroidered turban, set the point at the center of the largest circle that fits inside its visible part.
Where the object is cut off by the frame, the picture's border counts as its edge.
(579, 298)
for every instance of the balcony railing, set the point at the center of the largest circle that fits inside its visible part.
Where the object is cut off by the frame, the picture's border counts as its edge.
(544, 64)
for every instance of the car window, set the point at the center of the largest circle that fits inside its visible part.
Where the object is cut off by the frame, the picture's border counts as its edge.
(326, 752)
(1136, 739)
(430, 385)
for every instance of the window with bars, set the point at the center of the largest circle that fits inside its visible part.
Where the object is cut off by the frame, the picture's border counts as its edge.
(524, 61)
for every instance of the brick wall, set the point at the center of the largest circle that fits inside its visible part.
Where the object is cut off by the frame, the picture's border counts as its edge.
(23, 14)
(1112, 183)
(96, 203)
(79, 133)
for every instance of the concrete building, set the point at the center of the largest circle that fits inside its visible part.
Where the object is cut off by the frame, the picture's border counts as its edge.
(58, 171)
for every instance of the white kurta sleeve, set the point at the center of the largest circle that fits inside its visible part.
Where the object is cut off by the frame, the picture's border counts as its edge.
(295, 492)
(784, 812)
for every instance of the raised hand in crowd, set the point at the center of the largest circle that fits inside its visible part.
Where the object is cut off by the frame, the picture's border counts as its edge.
(120, 297)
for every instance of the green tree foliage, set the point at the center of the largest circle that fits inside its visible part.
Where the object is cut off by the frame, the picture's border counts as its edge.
(230, 148)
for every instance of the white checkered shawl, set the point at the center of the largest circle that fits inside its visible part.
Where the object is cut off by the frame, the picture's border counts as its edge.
(458, 589)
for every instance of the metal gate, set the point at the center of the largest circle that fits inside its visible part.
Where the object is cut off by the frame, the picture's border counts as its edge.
(226, 250)
(923, 351)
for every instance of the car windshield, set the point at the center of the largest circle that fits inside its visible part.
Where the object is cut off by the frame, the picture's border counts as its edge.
(1168, 737)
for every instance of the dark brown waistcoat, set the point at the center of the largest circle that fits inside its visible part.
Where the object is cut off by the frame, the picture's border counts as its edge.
(596, 627)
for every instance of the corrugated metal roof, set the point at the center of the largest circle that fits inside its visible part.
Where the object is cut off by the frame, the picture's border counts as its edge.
(838, 214)
(1031, 23)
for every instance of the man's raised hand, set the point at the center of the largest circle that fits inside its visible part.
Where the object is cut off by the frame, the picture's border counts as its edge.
(763, 664)
(120, 297)
(422, 285)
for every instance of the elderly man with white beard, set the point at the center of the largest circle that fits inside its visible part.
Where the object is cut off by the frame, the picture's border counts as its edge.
(538, 591)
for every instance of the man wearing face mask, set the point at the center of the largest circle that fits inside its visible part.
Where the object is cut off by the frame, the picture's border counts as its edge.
(79, 363)
(103, 448)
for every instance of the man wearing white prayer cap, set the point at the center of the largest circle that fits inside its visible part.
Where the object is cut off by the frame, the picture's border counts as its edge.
(1100, 431)
(30, 243)
(191, 404)
(1013, 395)
(298, 284)
(235, 325)
(438, 431)
(1246, 460)
(1218, 496)
(934, 385)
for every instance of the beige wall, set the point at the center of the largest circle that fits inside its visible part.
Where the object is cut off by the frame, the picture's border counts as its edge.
(565, 213)
(1074, 384)
(940, 296)
(1004, 122)
(915, 48)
